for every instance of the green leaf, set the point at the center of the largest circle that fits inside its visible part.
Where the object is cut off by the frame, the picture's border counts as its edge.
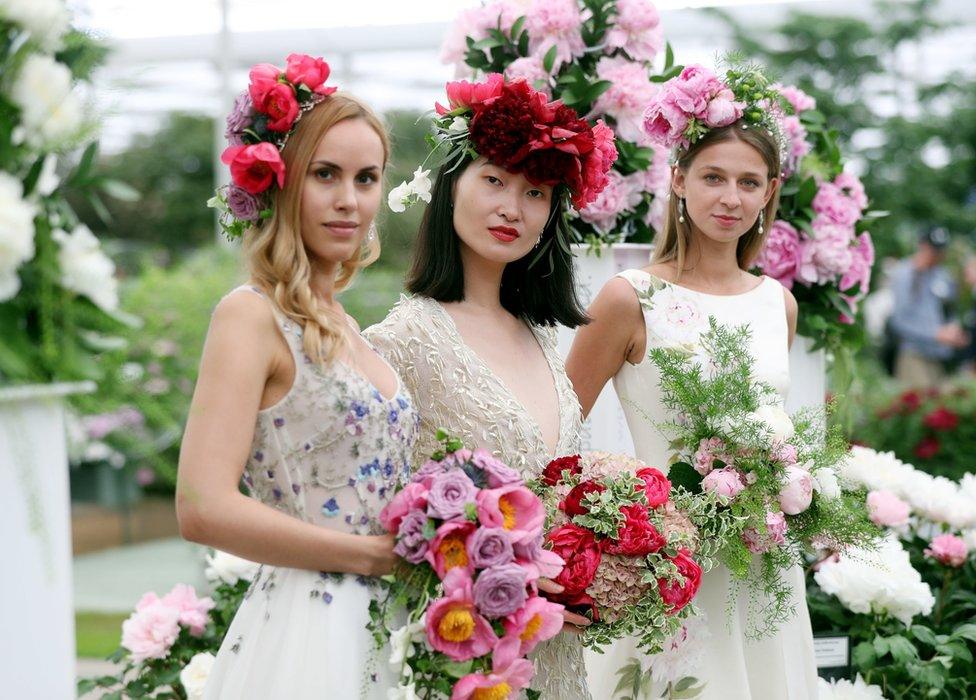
(430, 529)
(549, 59)
(517, 27)
(83, 171)
(901, 649)
(668, 57)
(121, 191)
(966, 631)
(924, 635)
(864, 656)
(684, 475)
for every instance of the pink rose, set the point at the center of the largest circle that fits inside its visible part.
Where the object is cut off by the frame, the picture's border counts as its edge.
(725, 482)
(948, 549)
(151, 631)
(796, 494)
(886, 509)
(192, 610)
(775, 535)
(309, 71)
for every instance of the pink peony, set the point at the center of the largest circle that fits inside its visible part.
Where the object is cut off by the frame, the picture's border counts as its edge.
(412, 497)
(628, 95)
(726, 483)
(836, 207)
(781, 253)
(775, 535)
(535, 622)
(828, 255)
(664, 121)
(453, 625)
(886, 509)
(448, 549)
(530, 68)
(555, 23)
(636, 29)
(948, 549)
(796, 493)
(708, 451)
(851, 186)
(799, 146)
(263, 77)
(514, 508)
(723, 109)
(859, 271)
(509, 674)
(254, 168)
(596, 165)
(785, 453)
(617, 197)
(309, 71)
(192, 610)
(799, 100)
(462, 94)
(151, 630)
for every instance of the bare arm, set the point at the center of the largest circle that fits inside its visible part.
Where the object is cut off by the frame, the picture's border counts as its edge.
(243, 350)
(792, 311)
(614, 335)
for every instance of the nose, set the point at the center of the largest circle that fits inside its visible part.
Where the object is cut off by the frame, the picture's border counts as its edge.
(730, 197)
(346, 196)
(508, 206)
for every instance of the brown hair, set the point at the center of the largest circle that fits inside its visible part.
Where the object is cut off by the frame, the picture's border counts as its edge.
(671, 243)
(274, 251)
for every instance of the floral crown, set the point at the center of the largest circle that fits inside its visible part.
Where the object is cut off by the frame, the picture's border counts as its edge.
(696, 101)
(263, 118)
(517, 128)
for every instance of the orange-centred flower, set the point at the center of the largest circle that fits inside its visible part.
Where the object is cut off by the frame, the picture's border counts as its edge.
(454, 626)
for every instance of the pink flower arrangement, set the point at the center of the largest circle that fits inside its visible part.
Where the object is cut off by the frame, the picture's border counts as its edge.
(555, 23)
(618, 197)
(470, 531)
(948, 549)
(774, 536)
(151, 631)
(629, 93)
(637, 30)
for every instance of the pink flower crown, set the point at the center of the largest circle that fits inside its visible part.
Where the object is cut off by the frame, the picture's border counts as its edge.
(258, 127)
(696, 101)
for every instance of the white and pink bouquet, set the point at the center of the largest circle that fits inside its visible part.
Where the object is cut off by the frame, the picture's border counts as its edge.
(470, 535)
(628, 543)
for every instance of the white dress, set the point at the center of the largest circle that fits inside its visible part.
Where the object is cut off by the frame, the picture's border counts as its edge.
(332, 452)
(777, 667)
(455, 390)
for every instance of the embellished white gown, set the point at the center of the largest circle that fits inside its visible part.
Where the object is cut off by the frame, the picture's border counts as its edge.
(332, 452)
(777, 667)
(455, 390)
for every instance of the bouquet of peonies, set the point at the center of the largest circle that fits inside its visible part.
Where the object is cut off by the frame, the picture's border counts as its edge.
(774, 478)
(470, 534)
(629, 545)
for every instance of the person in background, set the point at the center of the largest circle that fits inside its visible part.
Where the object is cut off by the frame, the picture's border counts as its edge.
(922, 321)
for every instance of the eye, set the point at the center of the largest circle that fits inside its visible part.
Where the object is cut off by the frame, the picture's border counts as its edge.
(366, 179)
(712, 177)
(492, 180)
(751, 183)
(537, 194)
(324, 173)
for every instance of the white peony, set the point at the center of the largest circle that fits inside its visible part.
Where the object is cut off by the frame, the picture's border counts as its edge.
(843, 689)
(86, 269)
(46, 20)
(825, 483)
(673, 309)
(16, 234)
(776, 419)
(194, 675)
(867, 581)
(50, 112)
(227, 568)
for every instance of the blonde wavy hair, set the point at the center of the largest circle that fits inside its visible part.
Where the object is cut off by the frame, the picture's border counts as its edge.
(274, 252)
(674, 239)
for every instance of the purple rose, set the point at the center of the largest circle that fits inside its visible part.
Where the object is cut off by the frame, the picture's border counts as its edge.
(411, 543)
(498, 473)
(428, 469)
(449, 493)
(490, 546)
(242, 204)
(240, 118)
(500, 590)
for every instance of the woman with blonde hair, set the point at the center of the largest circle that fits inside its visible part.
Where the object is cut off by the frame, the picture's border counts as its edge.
(726, 146)
(292, 398)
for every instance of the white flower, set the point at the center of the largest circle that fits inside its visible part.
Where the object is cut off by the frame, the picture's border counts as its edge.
(420, 185)
(48, 181)
(683, 653)
(458, 126)
(680, 315)
(16, 234)
(46, 20)
(825, 483)
(843, 689)
(776, 419)
(399, 197)
(229, 569)
(407, 193)
(403, 692)
(401, 644)
(877, 581)
(194, 675)
(50, 112)
(969, 537)
(86, 269)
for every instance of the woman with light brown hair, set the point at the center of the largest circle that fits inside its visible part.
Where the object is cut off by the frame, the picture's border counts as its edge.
(292, 399)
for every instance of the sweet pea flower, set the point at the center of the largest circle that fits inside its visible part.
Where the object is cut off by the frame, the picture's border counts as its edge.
(509, 674)
(948, 549)
(454, 627)
(514, 508)
(886, 509)
(535, 622)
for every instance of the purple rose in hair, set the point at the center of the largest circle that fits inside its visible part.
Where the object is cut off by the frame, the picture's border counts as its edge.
(490, 546)
(498, 473)
(242, 204)
(411, 543)
(500, 590)
(449, 493)
(240, 118)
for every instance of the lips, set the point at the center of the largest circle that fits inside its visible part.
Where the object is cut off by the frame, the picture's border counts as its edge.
(505, 234)
(726, 220)
(342, 229)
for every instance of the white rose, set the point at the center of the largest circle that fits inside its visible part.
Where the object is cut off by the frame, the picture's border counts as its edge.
(16, 234)
(229, 569)
(194, 675)
(46, 20)
(86, 269)
(825, 483)
(776, 419)
(49, 111)
(63, 123)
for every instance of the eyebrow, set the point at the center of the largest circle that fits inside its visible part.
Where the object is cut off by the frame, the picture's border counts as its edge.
(720, 170)
(329, 164)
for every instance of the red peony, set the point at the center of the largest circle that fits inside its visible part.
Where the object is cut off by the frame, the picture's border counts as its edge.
(910, 400)
(581, 552)
(263, 77)
(309, 71)
(637, 537)
(656, 486)
(679, 595)
(461, 93)
(573, 503)
(254, 168)
(580, 603)
(509, 128)
(928, 447)
(596, 166)
(280, 105)
(941, 418)
(553, 472)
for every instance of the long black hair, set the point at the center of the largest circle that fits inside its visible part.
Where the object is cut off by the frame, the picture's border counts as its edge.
(543, 293)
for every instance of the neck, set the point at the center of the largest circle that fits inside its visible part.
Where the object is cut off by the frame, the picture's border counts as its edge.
(711, 263)
(322, 281)
(482, 280)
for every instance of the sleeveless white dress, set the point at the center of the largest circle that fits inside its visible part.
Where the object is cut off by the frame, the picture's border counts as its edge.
(777, 667)
(332, 452)
(455, 390)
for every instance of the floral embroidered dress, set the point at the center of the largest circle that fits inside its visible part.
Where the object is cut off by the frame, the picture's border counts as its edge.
(779, 667)
(331, 452)
(455, 390)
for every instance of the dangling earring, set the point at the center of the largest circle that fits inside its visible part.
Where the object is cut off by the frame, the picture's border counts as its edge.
(681, 210)
(762, 221)
(538, 241)
(371, 234)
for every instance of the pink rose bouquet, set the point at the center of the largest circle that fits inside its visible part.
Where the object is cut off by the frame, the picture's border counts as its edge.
(628, 544)
(470, 533)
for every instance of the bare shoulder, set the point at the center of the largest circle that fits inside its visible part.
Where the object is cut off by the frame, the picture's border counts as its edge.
(617, 297)
(244, 321)
(792, 309)
(662, 270)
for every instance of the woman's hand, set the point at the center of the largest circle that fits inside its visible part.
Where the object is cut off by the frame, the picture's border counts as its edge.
(380, 559)
(571, 621)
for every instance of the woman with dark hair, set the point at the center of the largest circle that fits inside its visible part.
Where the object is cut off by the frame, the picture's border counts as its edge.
(724, 195)
(474, 340)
